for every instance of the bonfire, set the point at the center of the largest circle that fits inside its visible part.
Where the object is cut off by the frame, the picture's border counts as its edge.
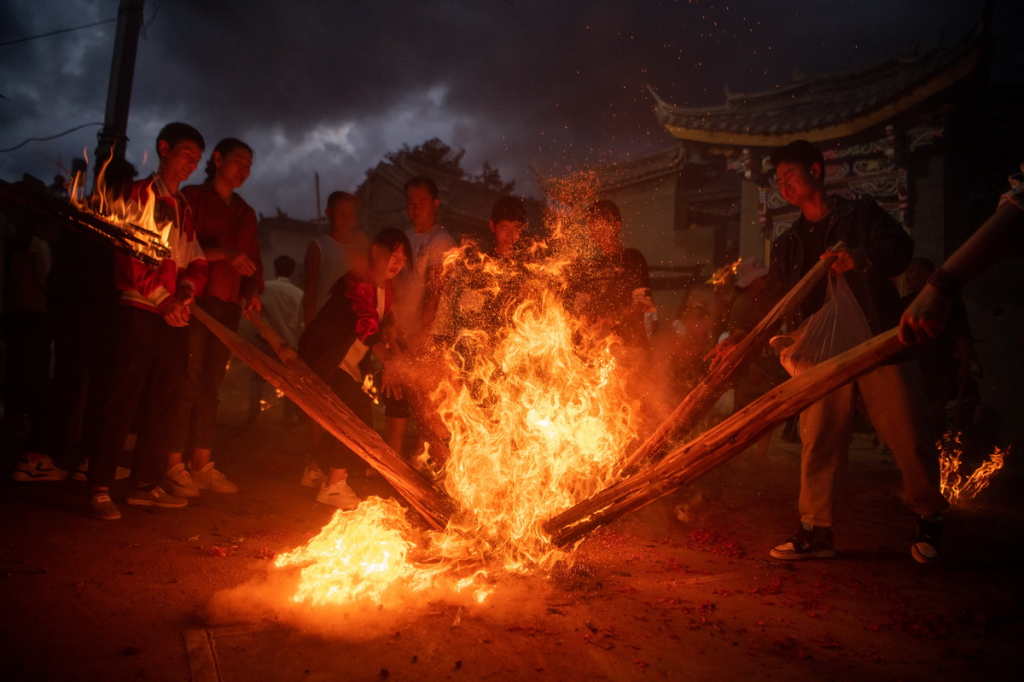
(539, 417)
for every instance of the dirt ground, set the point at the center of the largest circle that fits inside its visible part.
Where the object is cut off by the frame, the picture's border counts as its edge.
(684, 589)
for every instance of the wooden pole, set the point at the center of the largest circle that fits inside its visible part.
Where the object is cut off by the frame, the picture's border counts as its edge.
(288, 355)
(705, 394)
(721, 443)
(313, 396)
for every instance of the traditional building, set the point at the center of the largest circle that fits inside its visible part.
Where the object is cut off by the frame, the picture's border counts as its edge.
(905, 131)
(920, 135)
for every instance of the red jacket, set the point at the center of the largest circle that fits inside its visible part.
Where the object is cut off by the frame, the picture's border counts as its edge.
(151, 288)
(350, 315)
(226, 226)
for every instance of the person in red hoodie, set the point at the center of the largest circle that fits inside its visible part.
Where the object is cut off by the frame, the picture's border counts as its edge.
(337, 341)
(149, 348)
(226, 229)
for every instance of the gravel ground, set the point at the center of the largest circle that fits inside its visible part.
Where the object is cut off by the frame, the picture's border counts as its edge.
(683, 589)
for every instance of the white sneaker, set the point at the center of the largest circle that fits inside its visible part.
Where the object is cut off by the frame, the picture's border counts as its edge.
(338, 495)
(209, 478)
(43, 470)
(178, 482)
(312, 478)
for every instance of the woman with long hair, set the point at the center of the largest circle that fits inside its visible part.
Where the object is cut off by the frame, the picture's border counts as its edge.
(226, 229)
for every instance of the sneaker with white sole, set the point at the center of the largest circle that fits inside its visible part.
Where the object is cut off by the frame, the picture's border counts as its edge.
(155, 496)
(312, 478)
(178, 482)
(809, 542)
(102, 507)
(209, 478)
(82, 472)
(925, 548)
(43, 470)
(338, 495)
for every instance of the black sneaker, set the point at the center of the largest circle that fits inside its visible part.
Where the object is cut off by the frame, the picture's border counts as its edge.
(101, 507)
(926, 539)
(814, 542)
(154, 496)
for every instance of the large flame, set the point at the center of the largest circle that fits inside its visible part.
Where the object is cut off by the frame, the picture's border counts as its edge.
(538, 412)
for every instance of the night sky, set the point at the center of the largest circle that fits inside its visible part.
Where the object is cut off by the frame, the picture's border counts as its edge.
(333, 86)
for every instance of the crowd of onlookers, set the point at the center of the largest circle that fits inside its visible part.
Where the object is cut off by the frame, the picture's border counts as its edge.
(134, 371)
(136, 378)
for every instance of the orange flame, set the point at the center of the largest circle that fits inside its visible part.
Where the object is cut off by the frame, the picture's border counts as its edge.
(538, 415)
(956, 486)
(370, 389)
(722, 274)
(136, 219)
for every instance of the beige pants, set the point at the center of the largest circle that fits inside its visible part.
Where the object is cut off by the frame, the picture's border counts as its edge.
(894, 398)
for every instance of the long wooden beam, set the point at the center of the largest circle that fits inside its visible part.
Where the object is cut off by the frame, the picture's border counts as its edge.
(704, 395)
(721, 443)
(317, 400)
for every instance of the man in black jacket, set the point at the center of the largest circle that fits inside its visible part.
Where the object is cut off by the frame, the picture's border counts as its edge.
(876, 250)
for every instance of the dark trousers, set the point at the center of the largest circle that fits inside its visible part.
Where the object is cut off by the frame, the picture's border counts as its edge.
(332, 453)
(257, 383)
(195, 411)
(27, 338)
(144, 368)
(81, 339)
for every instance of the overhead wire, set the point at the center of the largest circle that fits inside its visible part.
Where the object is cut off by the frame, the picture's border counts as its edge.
(57, 32)
(51, 137)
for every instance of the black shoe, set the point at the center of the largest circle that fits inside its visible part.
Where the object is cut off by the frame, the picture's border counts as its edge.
(814, 542)
(926, 539)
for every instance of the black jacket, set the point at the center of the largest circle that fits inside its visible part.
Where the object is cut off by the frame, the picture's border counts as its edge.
(874, 236)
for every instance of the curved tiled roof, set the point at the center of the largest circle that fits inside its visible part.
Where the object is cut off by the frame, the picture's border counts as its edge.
(828, 106)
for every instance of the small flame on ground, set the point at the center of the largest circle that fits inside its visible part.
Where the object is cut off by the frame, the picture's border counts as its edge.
(955, 485)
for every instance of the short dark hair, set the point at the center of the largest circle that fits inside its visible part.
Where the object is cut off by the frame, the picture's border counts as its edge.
(801, 152)
(335, 197)
(508, 208)
(224, 147)
(173, 133)
(284, 266)
(605, 210)
(422, 181)
(392, 238)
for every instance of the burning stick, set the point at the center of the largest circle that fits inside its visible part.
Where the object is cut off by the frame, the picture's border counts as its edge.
(141, 243)
(704, 395)
(309, 392)
(723, 442)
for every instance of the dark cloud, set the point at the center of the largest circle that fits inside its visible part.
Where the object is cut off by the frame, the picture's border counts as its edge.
(330, 87)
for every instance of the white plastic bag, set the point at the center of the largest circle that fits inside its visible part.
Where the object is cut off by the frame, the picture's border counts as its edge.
(837, 327)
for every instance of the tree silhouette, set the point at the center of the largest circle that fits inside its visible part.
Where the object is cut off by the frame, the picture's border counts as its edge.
(436, 155)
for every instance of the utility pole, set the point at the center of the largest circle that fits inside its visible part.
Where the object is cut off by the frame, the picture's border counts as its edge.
(113, 138)
(317, 176)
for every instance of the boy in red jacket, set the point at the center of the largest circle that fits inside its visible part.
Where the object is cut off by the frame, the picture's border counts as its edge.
(149, 351)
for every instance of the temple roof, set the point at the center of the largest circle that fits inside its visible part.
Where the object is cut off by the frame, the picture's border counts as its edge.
(828, 106)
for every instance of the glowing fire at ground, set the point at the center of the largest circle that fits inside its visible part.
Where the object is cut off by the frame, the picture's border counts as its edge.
(539, 416)
(956, 486)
